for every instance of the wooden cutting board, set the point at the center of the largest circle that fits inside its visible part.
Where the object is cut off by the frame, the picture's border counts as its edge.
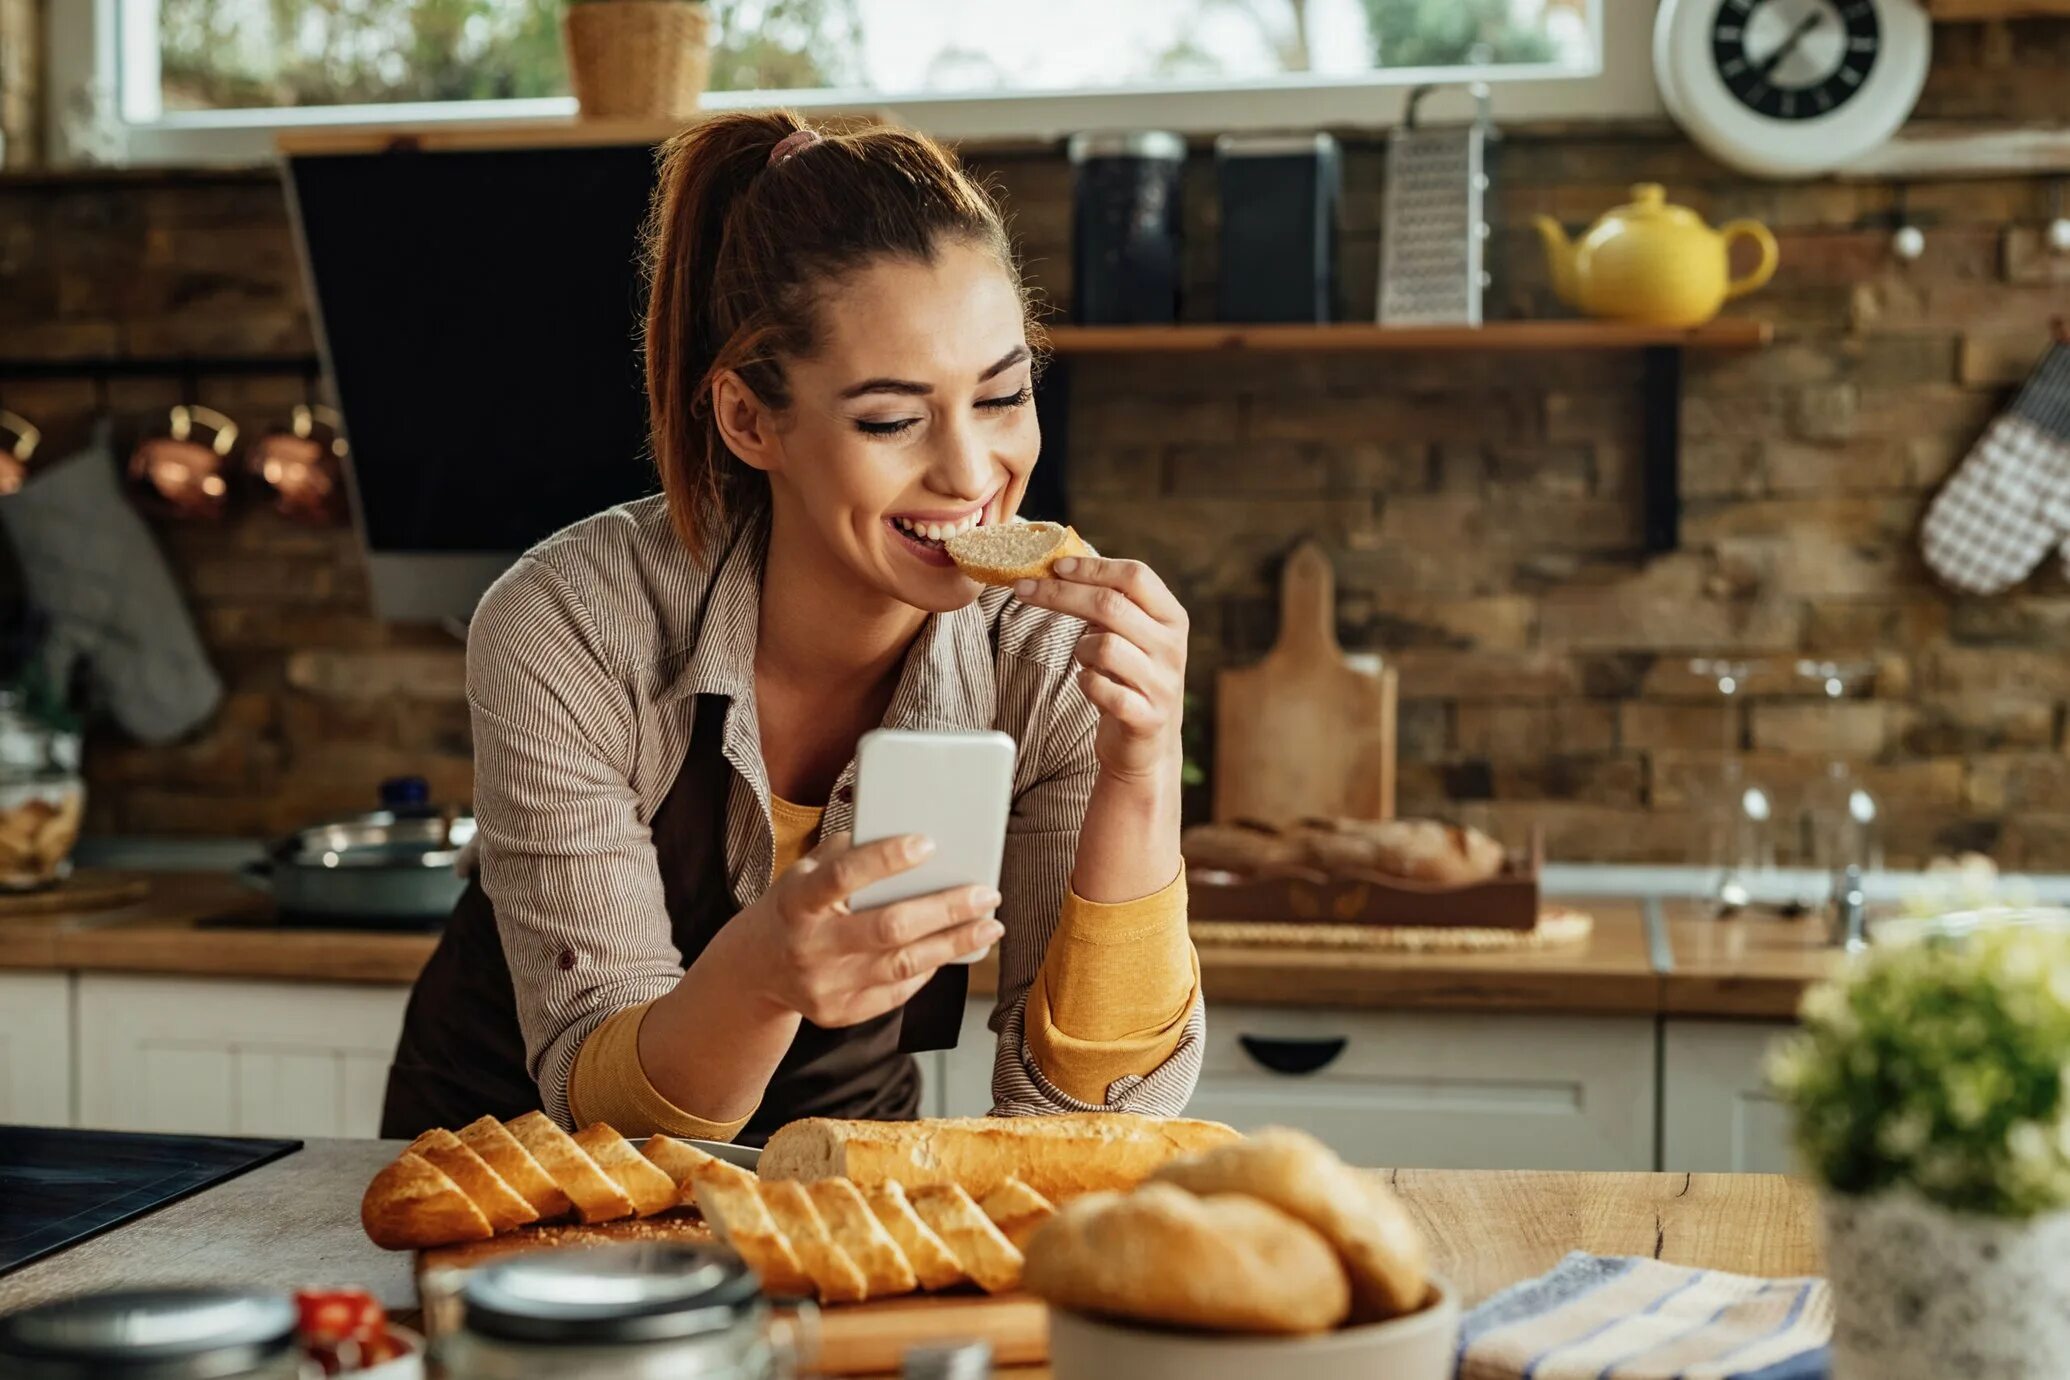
(1305, 732)
(854, 1338)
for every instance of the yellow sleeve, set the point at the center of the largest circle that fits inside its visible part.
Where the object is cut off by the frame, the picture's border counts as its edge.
(608, 1084)
(1114, 992)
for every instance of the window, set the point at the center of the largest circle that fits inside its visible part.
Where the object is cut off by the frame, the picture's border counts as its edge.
(215, 77)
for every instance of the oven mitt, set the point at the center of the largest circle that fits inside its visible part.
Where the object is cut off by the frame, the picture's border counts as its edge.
(2009, 503)
(91, 565)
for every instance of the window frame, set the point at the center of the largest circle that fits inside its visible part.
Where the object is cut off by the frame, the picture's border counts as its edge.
(85, 43)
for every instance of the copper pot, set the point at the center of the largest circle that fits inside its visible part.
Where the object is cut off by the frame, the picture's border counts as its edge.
(189, 476)
(303, 467)
(15, 453)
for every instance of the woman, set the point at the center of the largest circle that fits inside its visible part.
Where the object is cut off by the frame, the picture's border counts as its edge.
(667, 699)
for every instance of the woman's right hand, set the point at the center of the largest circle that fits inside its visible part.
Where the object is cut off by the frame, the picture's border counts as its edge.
(840, 967)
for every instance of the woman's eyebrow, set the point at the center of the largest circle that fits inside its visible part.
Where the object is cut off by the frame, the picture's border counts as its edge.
(914, 388)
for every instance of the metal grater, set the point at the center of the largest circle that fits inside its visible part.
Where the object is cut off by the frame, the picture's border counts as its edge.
(1433, 247)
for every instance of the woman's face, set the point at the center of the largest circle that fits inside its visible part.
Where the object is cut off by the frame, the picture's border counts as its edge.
(913, 420)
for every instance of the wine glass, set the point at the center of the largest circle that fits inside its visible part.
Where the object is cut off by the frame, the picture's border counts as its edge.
(1843, 819)
(1743, 823)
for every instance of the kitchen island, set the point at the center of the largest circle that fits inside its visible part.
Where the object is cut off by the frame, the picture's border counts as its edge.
(296, 1221)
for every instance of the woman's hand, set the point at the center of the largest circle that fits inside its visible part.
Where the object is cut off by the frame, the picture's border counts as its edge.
(1133, 652)
(837, 967)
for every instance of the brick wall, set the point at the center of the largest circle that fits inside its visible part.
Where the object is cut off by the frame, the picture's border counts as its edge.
(1483, 512)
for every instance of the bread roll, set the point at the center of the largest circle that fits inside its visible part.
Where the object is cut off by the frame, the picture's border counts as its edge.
(1059, 1157)
(500, 1149)
(1226, 1263)
(412, 1204)
(1001, 553)
(1382, 1249)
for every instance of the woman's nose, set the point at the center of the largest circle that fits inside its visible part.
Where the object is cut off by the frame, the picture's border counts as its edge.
(962, 465)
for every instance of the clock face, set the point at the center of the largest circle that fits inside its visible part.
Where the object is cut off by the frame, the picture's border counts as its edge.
(1795, 59)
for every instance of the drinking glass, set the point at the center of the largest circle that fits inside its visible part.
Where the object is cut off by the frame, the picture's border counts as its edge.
(1742, 816)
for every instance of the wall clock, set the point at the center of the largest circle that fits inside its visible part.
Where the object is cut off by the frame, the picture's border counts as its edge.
(1790, 88)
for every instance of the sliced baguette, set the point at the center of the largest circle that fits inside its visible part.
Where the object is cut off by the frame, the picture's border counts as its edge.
(836, 1276)
(934, 1264)
(487, 1138)
(500, 1203)
(650, 1190)
(1059, 1157)
(1005, 552)
(985, 1255)
(413, 1203)
(596, 1195)
(856, 1230)
(731, 1203)
(679, 1161)
(1017, 1210)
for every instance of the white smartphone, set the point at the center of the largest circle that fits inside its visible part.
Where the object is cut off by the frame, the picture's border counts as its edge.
(955, 788)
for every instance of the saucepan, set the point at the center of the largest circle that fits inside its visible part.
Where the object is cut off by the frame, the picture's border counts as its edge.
(386, 868)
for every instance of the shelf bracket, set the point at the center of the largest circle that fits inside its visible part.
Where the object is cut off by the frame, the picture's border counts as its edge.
(1660, 457)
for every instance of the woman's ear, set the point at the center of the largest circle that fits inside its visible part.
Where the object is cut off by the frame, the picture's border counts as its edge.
(746, 424)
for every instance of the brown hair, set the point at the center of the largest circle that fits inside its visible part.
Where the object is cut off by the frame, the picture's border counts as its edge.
(738, 251)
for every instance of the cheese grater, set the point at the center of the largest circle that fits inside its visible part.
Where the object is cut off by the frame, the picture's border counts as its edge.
(1434, 237)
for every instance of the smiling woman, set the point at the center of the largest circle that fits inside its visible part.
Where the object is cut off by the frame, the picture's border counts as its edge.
(667, 700)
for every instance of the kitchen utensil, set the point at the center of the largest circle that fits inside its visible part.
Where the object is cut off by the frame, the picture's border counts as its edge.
(1435, 226)
(166, 1333)
(387, 867)
(1650, 262)
(302, 465)
(1125, 236)
(188, 477)
(1278, 247)
(16, 450)
(1416, 1347)
(42, 799)
(1306, 732)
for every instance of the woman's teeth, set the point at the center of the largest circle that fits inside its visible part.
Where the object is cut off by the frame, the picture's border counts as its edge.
(937, 531)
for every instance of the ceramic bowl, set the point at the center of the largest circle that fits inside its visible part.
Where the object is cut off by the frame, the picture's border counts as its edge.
(1417, 1347)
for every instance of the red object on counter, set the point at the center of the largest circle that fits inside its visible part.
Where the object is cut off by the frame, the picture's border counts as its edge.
(344, 1330)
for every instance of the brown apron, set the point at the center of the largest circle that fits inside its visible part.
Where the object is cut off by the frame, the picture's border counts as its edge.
(461, 1054)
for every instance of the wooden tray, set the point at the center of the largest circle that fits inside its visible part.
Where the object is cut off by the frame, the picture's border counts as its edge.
(853, 1338)
(1506, 901)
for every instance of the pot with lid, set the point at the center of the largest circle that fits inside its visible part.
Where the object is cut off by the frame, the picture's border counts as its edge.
(395, 866)
(154, 1334)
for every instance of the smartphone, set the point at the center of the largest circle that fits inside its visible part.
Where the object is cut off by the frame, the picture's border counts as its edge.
(955, 788)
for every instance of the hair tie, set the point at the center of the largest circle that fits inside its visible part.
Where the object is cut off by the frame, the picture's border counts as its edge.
(795, 142)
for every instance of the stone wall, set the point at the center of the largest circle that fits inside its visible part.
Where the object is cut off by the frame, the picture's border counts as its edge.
(1482, 511)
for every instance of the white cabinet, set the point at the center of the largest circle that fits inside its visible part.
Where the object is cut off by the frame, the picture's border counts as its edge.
(1716, 1111)
(1438, 1089)
(232, 1057)
(36, 1049)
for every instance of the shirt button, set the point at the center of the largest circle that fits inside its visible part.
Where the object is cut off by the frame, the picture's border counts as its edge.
(843, 795)
(566, 960)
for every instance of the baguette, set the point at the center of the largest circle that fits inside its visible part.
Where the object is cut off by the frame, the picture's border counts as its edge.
(487, 1138)
(837, 1277)
(934, 1264)
(1059, 1157)
(732, 1205)
(680, 1162)
(885, 1269)
(1001, 553)
(501, 1204)
(1017, 1210)
(412, 1203)
(985, 1255)
(596, 1195)
(648, 1188)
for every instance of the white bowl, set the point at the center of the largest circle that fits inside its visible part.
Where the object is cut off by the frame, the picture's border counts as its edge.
(1420, 1346)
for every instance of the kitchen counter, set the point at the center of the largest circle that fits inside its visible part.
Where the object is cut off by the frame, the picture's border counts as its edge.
(296, 1221)
(1679, 962)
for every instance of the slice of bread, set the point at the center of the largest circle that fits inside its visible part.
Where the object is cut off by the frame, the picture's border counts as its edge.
(790, 1207)
(732, 1205)
(597, 1197)
(1009, 551)
(650, 1189)
(985, 1255)
(487, 1138)
(857, 1231)
(679, 1161)
(933, 1262)
(500, 1203)
(1017, 1210)
(413, 1203)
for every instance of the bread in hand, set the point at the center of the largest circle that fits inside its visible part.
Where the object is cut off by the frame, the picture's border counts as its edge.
(730, 1201)
(1001, 553)
(980, 1248)
(1017, 1210)
(835, 1276)
(649, 1189)
(499, 1202)
(500, 1149)
(596, 1195)
(1225, 1263)
(856, 1230)
(413, 1203)
(1382, 1249)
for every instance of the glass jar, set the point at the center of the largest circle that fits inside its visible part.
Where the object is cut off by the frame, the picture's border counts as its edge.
(155, 1334)
(651, 1311)
(42, 799)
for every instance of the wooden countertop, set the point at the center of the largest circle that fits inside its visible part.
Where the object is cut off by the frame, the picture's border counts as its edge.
(296, 1221)
(203, 924)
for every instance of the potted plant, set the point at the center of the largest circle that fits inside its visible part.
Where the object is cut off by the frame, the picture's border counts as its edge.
(637, 59)
(1931, 1090)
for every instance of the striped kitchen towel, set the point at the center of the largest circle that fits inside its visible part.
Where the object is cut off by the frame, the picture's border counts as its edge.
(1613, 1317)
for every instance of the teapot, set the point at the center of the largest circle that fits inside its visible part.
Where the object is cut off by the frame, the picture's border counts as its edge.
(1653, 263)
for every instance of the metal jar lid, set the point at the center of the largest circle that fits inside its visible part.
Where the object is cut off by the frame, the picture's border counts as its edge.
(149, 1334)
(1158, 144)
(612, 1294)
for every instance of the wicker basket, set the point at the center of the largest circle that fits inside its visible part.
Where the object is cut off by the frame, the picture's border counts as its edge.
(637, 59)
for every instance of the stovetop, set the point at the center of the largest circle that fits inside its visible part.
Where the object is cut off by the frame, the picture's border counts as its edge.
(59, 1187)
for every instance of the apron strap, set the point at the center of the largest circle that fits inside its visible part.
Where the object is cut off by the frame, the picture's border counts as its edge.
(934, 1015)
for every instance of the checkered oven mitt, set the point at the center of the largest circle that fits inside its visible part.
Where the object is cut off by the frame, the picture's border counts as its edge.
(2010, 500)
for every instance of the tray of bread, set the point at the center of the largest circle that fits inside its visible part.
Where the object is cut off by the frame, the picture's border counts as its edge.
(1396, 873)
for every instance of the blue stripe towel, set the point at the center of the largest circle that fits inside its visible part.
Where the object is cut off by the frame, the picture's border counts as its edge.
(1613, 1317)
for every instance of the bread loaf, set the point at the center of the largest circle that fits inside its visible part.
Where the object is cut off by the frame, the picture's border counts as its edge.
(1059, 1157)
(1429, 850)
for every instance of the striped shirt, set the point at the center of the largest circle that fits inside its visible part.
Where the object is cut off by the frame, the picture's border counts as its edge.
(584, 664)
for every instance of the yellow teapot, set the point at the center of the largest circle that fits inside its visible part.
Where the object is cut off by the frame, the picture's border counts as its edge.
(1653, 263)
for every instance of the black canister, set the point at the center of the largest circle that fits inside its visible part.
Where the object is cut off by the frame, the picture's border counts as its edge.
(1279, 227)
(1125, 236)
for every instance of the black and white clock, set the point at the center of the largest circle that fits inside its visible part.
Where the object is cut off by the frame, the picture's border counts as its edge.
(1790, 88)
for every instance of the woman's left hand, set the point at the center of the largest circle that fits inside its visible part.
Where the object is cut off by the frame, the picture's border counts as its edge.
(1133, 655)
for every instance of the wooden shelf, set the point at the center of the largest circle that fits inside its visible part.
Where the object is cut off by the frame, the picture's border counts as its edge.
(1732, 333)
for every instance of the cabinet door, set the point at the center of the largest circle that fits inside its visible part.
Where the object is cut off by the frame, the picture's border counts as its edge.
(1716, 1111)
(1444, 1090)
(36, 1049)
(230, 1057)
